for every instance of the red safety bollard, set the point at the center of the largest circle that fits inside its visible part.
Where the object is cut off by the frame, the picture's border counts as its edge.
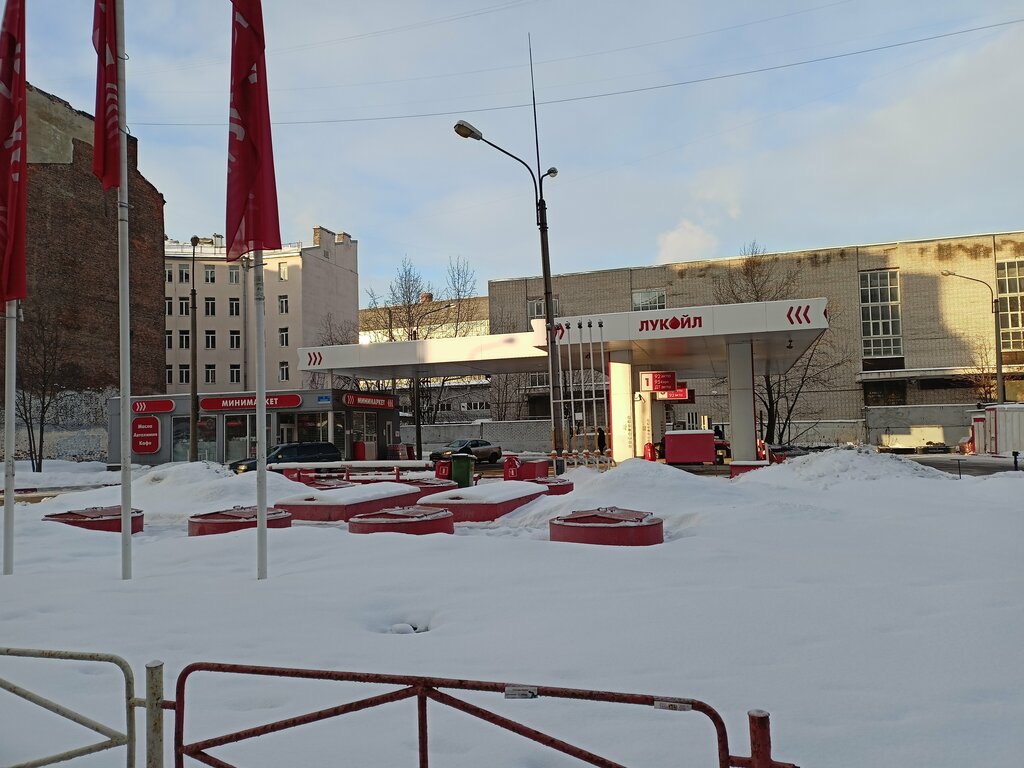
(512, 467)
(649, 452)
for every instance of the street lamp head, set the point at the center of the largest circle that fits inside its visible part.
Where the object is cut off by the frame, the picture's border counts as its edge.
(194, 240)
(552, 172)
(467, 131)
(946, 273)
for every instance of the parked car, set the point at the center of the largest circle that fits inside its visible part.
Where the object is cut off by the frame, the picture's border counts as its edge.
(482, 450)
(289, 452)
(779, 453)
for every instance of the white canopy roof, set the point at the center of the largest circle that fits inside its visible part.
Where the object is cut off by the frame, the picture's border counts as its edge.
(691, 340)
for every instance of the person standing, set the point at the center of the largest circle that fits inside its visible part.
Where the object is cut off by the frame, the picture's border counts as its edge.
(601, 441)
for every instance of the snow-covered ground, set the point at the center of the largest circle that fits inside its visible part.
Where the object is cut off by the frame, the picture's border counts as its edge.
(872, 605)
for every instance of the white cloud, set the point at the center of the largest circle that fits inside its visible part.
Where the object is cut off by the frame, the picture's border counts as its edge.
(687, 242)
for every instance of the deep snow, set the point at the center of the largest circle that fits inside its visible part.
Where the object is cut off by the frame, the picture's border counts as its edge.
(872, 605)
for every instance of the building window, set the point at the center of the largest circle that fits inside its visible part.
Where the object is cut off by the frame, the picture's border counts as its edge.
(209, 274)
(169, 338)
(282, 371)
(235, 373)
(183, 340)
(282, 336)
(169, 271)
(211, 374)
(169, 305)
(652, 298)
(444, 406)
(183, 377)
(211, 339)
(282, 270)
(235, 339)
(234, 307)
(885, 393)
(233, 274)
(183, 304)
(169, 373)
(881, 329)
(535, 308)
(210, 305)
(476, 405)
(1010, 281)
(538, 379)
(183, 273)
(282, 305)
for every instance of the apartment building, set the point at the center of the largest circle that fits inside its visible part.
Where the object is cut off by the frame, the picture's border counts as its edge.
(904, 330)
(312, 297)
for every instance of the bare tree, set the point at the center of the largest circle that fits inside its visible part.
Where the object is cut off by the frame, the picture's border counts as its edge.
(761, 276)
(411, 308)
(333, 331)
(45, 378)
(508, 390)
(980, 373)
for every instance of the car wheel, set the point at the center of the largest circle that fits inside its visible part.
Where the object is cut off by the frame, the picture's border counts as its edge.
(495, 458)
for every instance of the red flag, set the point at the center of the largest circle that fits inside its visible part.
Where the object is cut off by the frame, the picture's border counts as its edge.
(106, 150)
(252, 221)
(13, 152)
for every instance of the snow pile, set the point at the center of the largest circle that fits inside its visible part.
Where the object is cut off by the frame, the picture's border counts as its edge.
(486, 493)
(348, 495)
(874, 610)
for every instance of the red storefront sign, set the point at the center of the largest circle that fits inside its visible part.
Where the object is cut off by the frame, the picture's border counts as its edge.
(678, 394)
(355, 400)
(658, 381)
(152, 406)
(248, 402)
(145, 434)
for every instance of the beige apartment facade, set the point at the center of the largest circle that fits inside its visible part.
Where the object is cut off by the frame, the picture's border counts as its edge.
(902, 333)
(312, 296)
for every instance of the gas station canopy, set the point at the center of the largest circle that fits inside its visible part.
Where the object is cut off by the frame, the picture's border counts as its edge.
(692, 340)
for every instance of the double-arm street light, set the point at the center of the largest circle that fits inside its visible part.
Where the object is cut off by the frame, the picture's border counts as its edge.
(467, 131)
(193, 345)
(1000, 387)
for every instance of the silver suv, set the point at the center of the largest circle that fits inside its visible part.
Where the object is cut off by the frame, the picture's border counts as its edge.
(482, 450)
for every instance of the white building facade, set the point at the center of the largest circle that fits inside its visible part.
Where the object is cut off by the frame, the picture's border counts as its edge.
(312, 293)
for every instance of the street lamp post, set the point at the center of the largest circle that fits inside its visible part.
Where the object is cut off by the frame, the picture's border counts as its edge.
(193, 421)
(1000, 386)
(467, 131)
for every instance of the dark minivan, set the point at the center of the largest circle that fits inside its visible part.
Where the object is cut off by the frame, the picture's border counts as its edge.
(289, 452)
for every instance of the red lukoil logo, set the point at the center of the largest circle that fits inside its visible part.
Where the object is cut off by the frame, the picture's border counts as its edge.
(672, 323)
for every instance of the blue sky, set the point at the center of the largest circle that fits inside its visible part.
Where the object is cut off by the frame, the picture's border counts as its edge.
(914, 141)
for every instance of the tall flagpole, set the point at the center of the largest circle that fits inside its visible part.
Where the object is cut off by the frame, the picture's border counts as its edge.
(123, 297)
(10, 379)
(261, 416)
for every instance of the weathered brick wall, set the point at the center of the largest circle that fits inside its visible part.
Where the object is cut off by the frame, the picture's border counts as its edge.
(71, 250)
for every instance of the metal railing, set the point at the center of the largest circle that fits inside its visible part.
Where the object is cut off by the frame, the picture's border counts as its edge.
(430, 688)
(423, 689)
(113, 738)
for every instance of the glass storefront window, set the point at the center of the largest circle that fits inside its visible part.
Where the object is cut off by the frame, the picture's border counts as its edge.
(240, 436)
(207, 439)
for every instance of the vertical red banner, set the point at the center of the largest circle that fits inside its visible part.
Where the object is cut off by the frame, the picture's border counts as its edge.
(252, 218)
(106, 158)
(13, 152)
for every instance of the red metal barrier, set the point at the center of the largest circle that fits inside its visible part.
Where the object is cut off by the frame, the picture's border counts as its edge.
(424, 688)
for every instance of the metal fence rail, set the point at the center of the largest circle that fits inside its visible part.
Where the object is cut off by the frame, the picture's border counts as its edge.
(424, 688)
(112, 737)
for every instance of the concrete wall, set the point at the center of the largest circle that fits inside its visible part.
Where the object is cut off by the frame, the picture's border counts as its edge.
(510, 435)
(910, 426)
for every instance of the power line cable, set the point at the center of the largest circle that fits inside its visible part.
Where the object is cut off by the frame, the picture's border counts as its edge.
(608, 94)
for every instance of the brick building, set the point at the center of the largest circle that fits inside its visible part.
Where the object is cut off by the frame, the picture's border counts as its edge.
(903, 334)
(72, 272)
(71, 247)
